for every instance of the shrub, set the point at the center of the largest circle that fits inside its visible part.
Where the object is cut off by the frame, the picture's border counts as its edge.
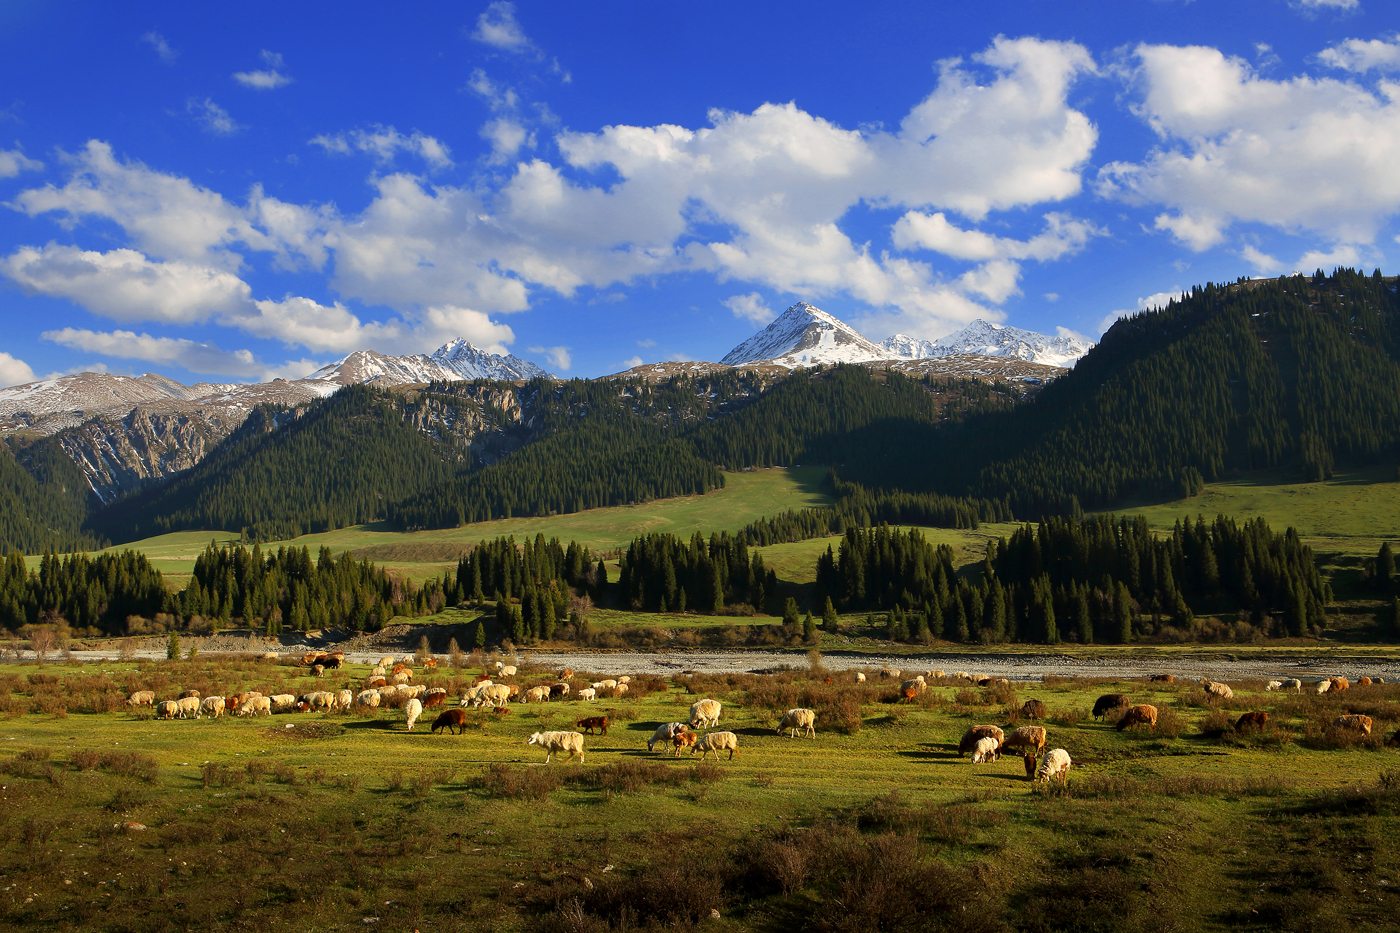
(503, 780)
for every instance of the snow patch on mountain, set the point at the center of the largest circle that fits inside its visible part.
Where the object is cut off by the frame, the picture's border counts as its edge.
(984, 338)
(806, 336)
(457, 359)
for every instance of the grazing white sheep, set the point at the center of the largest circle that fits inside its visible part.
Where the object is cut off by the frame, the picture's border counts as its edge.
(142, 698)
(1273, 685)
(1217, 689)
(412, 711)
(1030, 738)
(212, 706)
(704, 713)
(281, 702)
(1323, 686)
(167, 709)
(625, 679)
(985, 750)
(934, 675)
(343, 700)
(1055, 764)
(891, 673)
(588, 693)
(367, 699)
(508, 670)
(320, 699)
(386, 662)
(917, 685)
(795, 719)
(860, 678)
(187, 707)
(254, 705)
(555, 743)
(536, 695)
(402, 677)
(665, 734)
(1294, 684)
(619, 691)
(716, 742)
(604, 685)
(495, 695)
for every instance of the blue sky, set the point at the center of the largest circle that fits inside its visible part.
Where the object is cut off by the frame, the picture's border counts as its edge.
(234, 192)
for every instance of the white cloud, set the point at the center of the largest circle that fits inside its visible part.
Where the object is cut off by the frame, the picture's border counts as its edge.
(559, 356)
(1063, 235)
(498, 27)
(1262, 262)
(12, 162)
(268, 79)
(633, 362)
(1151, 302)
(1302, 154)
(163, 49)
(750, 307)
(497, 97)
(303, 322)
(1051, 296)
(1327, 4)
(1327, 260)
(213, 118)
(14, 372)
(203, 358)
(646, 344)
(1361, 56)
(507, 137)
(384, 142)
(124, 285)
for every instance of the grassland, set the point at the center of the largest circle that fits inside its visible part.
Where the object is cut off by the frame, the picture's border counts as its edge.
(347, 821)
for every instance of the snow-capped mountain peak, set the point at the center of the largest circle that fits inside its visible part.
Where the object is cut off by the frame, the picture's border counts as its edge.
(805, 336)
(984, 338)
(456, 359)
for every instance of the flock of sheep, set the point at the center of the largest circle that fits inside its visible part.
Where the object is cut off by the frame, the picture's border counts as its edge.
(389, 686)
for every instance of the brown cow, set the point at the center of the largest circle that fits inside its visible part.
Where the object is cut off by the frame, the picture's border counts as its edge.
(1110, 701)
(1033, 709)
(684, 740)
(449, 718)
(593, 722)
(1255, 720)
(1141, 715)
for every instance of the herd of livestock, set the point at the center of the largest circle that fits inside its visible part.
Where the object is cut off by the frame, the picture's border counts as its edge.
(390, 686)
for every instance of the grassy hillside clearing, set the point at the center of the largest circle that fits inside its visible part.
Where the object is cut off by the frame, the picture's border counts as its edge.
(342, 821)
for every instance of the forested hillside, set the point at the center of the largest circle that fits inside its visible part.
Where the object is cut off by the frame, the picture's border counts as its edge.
(1289, 372)
(43, 501)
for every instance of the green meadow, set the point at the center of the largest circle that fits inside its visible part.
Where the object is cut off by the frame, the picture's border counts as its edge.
(347, 821)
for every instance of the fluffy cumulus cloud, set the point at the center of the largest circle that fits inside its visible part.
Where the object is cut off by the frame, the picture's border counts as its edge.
(498, 27)
(124, 285)
(560, 357)
(268, 78)
(751, 308)
(192, 355)
(385, 142)
(1151, 302)
(14, 372)
(1362, 55)
(1305, 154)
(12, 162)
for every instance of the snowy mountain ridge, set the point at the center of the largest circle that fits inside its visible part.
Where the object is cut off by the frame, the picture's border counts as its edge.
(806, 336)
(984, 338)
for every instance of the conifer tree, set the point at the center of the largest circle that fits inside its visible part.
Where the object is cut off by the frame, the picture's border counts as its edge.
(830, 621)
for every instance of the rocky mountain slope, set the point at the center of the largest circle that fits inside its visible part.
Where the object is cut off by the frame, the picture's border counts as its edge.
(982, 338)
(806, 336)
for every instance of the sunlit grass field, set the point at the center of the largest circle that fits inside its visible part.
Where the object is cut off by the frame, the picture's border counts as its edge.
(347, 821)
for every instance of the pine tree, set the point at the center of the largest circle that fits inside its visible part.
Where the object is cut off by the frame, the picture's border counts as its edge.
(1394, 617)
(830, 621)
(1084, 623)
(1385, 567)
(1123, 613)
(172, 647)
(809, 629)
(791, 616)
(479, 639)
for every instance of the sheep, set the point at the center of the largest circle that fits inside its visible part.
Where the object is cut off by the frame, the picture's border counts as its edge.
(588, 693)
(716, 742)
(566, 673)
(908, 694)
(625, 679)
(558, 691)
(166, 709)
(890, 673)
(473, 693)
(254, 705)
(508, 670)
(591, 723)
(430, 664)
(1255, 720)
(1354, 721)
(449, 718)
(795, 719)
(684, 740)
(403, 677)
(1273, 685)
(319, 700)
(1056, 764)
(142, 698)
(1030, 765)
(1364, 682)
(214, 706)
(1109, 701)
(1218, 690)
(375, 682)
(495, 695)
(282, 702)
(604, 685)
(860, 678)
(704, 713)
(367, 699)
(1033, 709)
(1293, 684)
(1339, 684)
(1141, 715)
(189, 693)
(934, 675)
(435, 697)
(985, 750)
(412, 711)
(555, 743)
(1162, 679)
(1031, 738)
(318, 670)
(665, 734)
(917, 685)
(187, 707)
(343, 700)
(512, 691)
(970, 737)
(619, 691)
(1323, 686)
(386, 662)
